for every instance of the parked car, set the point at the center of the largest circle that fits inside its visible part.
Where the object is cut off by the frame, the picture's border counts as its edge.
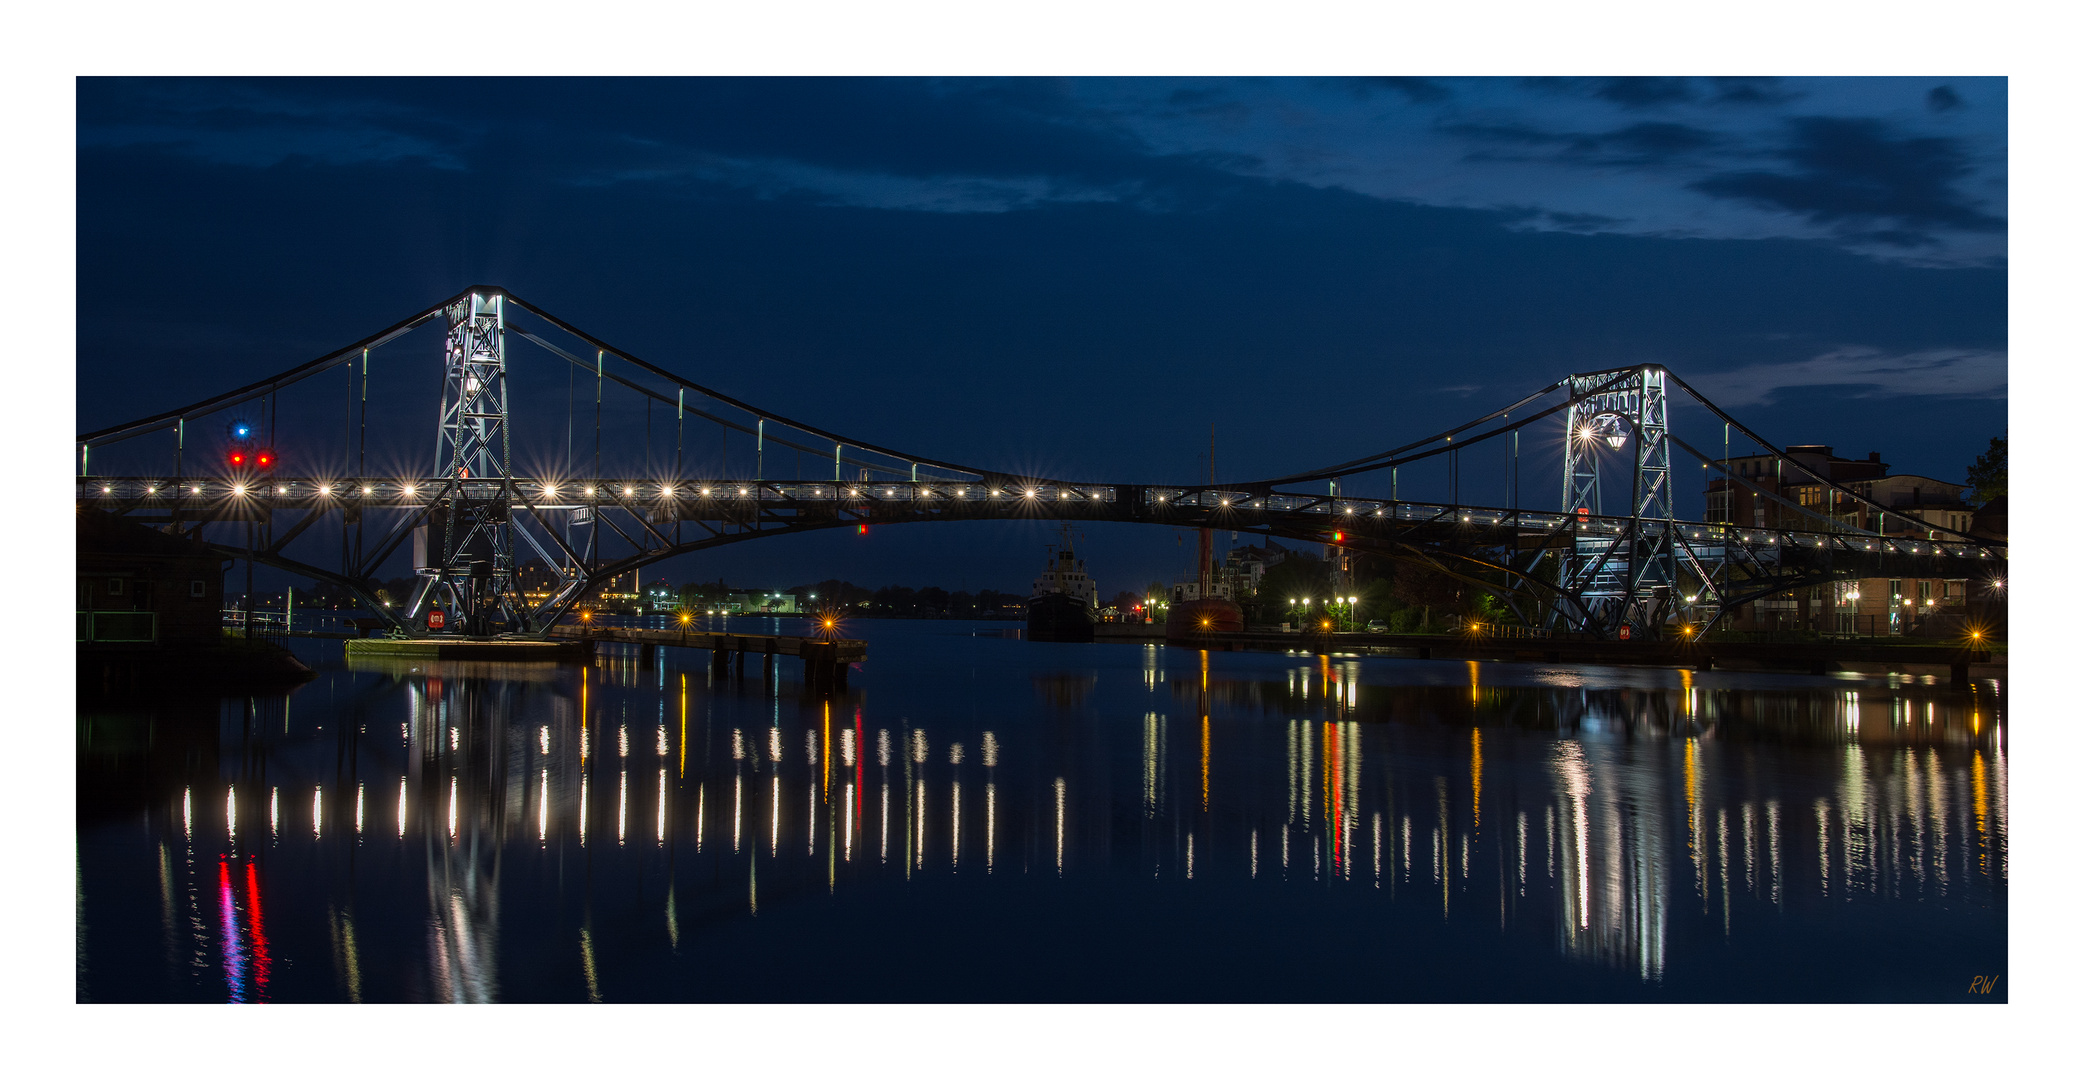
(1377, 626)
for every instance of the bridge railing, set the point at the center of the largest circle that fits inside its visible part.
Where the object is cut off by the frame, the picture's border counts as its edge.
(236, 497)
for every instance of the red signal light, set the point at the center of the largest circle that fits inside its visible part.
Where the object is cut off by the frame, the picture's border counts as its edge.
(265, 459)
(238, 459)
(1338, 538)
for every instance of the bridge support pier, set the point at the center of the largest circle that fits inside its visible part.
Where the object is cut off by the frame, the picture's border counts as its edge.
(718, 660)
(741, 663)
(647, 656)
(1959, 673)
(822, 668)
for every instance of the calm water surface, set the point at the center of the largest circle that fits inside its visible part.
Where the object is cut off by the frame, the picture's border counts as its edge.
(983, 818)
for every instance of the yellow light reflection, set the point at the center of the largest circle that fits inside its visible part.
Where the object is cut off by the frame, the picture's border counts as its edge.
(1476, 775)
(1204, 762)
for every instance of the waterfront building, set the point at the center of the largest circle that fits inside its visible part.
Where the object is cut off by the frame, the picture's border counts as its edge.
(137, 585)
(1749, 496)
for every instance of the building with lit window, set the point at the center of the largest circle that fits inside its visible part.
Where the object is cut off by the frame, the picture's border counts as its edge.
(1768, 491)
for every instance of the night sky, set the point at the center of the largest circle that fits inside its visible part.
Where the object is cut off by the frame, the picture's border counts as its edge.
(1078, 277)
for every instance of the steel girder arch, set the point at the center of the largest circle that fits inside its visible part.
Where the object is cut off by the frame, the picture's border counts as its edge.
(363, 589)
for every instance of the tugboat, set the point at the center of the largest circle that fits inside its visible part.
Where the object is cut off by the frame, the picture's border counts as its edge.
(1065, 598)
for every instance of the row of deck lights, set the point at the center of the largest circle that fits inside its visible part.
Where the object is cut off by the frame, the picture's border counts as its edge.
(666, 492)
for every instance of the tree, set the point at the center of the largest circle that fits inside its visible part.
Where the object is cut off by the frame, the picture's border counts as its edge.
(1986, 477)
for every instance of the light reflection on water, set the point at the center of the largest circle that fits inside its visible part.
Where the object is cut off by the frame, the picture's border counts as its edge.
(1625, 823)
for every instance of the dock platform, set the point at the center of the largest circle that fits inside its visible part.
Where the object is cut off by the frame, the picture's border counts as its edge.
(496, 649)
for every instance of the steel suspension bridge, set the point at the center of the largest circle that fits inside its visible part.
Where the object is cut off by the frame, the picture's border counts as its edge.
(1561, 558)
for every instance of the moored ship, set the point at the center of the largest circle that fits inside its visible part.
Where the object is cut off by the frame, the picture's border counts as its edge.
(1065, 601)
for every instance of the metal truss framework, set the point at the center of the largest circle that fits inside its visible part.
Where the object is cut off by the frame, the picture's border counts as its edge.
(1577, 569)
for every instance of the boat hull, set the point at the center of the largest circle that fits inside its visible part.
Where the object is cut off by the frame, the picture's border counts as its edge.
(1057, 617)
(1190, 621)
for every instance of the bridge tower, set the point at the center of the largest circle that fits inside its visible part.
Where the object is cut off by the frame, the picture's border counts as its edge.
(1625, 573)
(466, 547)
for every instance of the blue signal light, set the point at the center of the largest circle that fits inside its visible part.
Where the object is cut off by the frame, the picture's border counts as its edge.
(242, 431)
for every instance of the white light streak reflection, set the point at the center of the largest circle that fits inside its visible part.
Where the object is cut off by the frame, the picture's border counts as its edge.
(1523, 853)
(1060, 826)
(318, 810)
(849, 832)
(662, 740)
(991, 817)
(401, 808)
(883, 746)
(955, 820)
(452, 808)
(810, 818)
(231, 813)
(846, 747)
(810, 745)
(583, 800)
(774, 744)
(1190, 856)
(991, 750)
(187, 816)
(1376, 825)
(919, 846)
(1255, 853)
(275, 814)
(543, 738)
(622, 740)
(542, 808)
(358, 806)
(622, 806)
(662, 804)
(737, 810)
(737, 744)
(774, 822)
(886, 821)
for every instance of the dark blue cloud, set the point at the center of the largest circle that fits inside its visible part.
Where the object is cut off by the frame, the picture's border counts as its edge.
(1416, 90)
(1640, 144)
(1943, 99)
(1857, 173)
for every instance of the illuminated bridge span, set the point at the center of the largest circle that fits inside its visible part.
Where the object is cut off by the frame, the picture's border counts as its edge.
(1612, 557)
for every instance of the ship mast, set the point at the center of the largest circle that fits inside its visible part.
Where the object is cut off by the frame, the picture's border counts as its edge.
(1208, 538)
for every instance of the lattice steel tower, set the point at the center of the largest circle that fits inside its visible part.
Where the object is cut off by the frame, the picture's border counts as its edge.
(469, 553)
(1625, 572)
